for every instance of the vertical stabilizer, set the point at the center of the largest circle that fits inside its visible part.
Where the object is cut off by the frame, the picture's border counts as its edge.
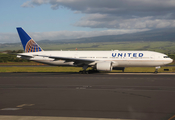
(28, 43)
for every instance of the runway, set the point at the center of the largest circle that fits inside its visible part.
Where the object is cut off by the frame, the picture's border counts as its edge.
(87, 96)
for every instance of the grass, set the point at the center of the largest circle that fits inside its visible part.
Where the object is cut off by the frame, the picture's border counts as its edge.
(159, 46)
(148, 69)
(40, 69)
(77, 69)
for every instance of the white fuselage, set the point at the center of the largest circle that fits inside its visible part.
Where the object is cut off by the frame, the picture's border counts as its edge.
(118, 58)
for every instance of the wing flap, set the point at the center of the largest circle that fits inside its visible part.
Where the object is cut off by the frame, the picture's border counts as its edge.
(68, 59)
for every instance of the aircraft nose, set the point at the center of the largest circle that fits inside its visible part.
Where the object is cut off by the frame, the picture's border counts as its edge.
(171, 60)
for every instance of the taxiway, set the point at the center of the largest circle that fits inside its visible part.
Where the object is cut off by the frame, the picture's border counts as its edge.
(115, 96)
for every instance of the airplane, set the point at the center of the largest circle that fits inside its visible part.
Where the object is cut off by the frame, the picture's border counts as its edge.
(98, 60)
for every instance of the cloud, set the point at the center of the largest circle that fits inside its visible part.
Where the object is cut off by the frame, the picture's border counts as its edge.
(119, 14)
(8, 38)
(32, 3)
(59, 35)
(107, 21)
(118, 7)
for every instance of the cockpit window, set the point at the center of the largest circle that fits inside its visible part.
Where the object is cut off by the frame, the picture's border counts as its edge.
(165, 57)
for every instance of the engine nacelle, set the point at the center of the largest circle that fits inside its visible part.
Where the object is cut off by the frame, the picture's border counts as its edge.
(104, 66)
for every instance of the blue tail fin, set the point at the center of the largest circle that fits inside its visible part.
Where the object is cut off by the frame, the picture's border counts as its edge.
(28, 43)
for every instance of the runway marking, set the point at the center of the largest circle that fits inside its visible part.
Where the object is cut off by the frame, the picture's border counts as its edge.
(11, 108)
(5, 117)
(171, 117)
(25, 105)
(139, 95)
(19, 107)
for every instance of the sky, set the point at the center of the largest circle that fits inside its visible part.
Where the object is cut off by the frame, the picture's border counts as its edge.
(71, 19)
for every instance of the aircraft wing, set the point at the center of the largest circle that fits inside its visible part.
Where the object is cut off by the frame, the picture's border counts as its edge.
(27, 56)
(68, 59)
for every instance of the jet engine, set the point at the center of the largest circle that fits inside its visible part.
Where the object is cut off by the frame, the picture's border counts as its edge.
(104, 66)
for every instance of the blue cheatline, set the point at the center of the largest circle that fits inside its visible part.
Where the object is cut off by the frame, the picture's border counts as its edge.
(28, 43)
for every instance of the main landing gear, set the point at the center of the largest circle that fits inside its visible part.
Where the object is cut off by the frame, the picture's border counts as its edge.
(88, 71)
(156, 69)
(84, 71)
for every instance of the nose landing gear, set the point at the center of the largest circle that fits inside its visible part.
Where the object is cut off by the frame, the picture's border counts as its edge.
(156, 69)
